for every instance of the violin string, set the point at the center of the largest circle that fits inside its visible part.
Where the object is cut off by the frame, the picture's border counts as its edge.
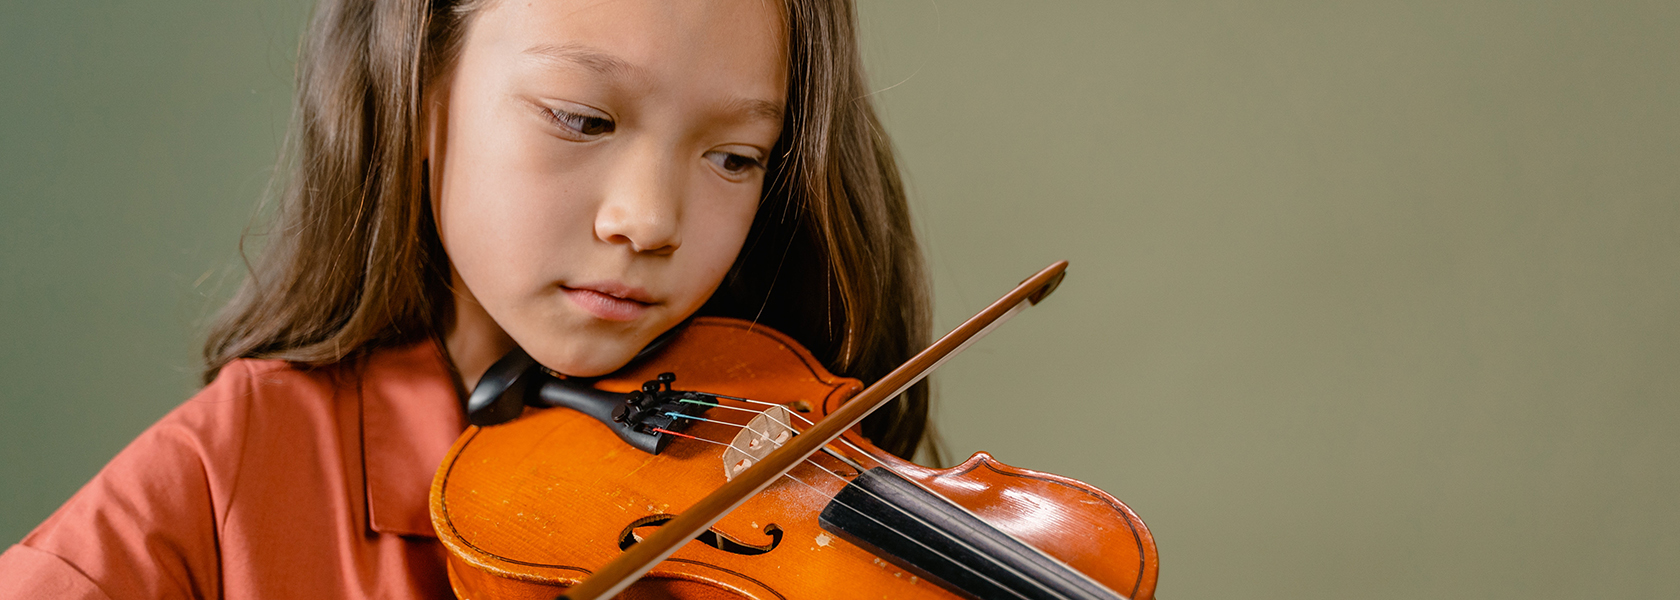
(766, 437)
(746, 400)
(856, 510)
(787, 475)
(716, 405)
(826, 449)
(794, 414)
(884, 502)
(912, 538)
(748, 427)
(678, 415)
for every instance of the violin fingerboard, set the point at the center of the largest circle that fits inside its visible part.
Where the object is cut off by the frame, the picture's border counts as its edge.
(943, 543)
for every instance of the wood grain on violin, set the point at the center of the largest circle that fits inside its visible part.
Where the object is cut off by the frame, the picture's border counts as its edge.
(534, 505)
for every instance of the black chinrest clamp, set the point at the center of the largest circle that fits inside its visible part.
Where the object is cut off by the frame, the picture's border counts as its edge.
(642, 418)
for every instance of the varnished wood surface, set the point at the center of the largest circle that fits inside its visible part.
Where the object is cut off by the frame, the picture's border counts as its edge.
(536, 504)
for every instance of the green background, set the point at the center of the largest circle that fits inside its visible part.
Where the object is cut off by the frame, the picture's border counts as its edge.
(1367, 300)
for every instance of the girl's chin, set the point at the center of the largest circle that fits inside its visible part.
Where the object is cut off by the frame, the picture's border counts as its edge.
(580, 345)
(584, 359)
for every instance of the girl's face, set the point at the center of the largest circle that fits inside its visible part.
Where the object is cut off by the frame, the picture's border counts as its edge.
(596, 166)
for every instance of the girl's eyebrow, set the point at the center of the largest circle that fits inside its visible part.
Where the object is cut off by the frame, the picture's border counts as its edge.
(575, 54)
(755, 109)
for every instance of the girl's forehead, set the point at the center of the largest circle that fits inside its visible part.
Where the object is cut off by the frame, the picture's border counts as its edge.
(737, 43)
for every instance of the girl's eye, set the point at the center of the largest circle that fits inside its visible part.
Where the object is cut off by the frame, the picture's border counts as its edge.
(582, 125)
(734, 164)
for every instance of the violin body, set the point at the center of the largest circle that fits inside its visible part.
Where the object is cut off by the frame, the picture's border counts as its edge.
(529, 507)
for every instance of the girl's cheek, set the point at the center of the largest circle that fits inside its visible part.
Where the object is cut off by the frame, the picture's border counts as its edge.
(524, 190)
(725, 208)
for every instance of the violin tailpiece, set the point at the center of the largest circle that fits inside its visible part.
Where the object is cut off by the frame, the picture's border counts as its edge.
(642, 418)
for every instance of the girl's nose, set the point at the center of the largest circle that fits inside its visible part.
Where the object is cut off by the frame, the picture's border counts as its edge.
(642, 207)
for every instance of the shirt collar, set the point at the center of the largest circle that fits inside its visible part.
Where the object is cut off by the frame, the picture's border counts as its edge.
(411, 415)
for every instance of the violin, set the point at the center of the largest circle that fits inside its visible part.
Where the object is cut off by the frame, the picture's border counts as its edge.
(727, 463)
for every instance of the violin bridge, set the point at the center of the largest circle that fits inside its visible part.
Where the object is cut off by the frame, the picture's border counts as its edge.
(763, 434)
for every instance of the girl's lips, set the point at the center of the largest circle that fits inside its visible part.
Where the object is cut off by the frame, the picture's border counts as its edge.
(609, 304)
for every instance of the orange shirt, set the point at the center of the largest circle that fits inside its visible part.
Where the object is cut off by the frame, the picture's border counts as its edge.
(272, 482)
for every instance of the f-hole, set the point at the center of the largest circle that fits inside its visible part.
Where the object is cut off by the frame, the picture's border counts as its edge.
(711, 537)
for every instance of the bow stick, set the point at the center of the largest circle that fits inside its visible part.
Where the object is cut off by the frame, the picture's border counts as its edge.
(643, 556)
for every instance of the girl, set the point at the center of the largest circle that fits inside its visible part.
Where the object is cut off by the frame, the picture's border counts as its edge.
(568, 176)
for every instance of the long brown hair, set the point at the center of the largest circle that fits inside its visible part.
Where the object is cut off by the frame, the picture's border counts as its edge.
(355, 262)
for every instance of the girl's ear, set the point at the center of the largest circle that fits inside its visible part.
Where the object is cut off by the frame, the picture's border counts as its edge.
(434, 137)
(434, 116)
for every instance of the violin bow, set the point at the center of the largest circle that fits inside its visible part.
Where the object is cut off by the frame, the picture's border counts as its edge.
(643, 556)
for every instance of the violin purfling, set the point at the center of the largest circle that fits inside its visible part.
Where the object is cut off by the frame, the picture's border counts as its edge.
(532, 506)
